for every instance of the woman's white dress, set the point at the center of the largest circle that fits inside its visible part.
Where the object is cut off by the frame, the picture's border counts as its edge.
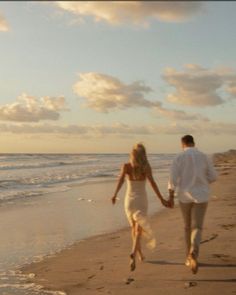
(136, 207)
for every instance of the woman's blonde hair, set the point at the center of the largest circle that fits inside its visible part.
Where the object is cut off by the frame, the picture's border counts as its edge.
(138, 160)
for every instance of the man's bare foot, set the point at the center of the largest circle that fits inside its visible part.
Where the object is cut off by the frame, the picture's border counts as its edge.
(132, 262)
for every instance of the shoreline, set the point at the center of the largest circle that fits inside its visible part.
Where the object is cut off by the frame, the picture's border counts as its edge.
(77, 184)
(53, 222)
(79, 270)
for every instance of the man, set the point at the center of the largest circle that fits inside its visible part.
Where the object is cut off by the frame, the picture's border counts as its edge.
(191, 173)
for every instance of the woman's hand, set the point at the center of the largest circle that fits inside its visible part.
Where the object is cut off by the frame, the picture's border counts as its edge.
(113, 199)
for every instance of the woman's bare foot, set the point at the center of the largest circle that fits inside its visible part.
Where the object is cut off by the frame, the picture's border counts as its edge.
(132, 262)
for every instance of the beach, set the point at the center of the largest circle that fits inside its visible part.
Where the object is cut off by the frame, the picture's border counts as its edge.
(50, 201)
(100, 264)
(92, 92)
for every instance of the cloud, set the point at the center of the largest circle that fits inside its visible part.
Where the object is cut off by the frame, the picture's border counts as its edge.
(31, 109)
(104, 93)
(179, 115)
(195, 86)
(132, 12)
(3, 24)
(204, 128)
(200, 87)
(93, 130)
(117, 129)
(229, 77)
(232, 87)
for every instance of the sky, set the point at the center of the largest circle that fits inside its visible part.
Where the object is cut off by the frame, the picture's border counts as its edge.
(97, 77)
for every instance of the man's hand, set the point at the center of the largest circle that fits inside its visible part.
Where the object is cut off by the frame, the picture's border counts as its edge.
(164, 202)
(171, 199)
(113, 199)
(171, 202)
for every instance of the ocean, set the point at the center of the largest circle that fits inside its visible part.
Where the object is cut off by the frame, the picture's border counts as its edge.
(29, 175)
(50, 201)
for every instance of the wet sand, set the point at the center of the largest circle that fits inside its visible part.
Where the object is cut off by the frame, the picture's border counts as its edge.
(99, 265)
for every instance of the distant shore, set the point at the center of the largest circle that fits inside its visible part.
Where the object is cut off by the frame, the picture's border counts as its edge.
(99, 265)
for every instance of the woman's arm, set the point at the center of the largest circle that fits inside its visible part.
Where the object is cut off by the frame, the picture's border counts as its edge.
(155, 186)
(120, 183)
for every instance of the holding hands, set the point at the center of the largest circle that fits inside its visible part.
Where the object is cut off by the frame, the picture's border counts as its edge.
(164, 202)
(168, 203)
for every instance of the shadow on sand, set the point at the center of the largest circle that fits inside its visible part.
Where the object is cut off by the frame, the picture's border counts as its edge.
(210, 280)
(163, 262)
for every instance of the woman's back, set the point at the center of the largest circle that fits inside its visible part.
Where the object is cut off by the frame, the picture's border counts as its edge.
(132, 175)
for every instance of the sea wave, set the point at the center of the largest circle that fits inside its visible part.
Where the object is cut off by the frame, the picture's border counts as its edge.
(28, 175)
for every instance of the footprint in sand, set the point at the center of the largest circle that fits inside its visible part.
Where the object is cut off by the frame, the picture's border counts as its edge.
(190, 284)
(221, 256)
(225, 173)
(90, 277)
(116, 237)
(100, 288)
(129, 281)
(228, 226)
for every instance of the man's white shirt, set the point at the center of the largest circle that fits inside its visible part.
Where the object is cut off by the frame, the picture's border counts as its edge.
(190, 175)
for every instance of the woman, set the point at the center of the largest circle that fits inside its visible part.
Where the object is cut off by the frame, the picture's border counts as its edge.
(137, 171)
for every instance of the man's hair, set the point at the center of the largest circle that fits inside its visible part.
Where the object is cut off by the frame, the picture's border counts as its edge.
(188, 140)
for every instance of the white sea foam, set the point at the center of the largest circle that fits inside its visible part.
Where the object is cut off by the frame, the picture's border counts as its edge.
(29, 175)
(15, 282)
(31, 288)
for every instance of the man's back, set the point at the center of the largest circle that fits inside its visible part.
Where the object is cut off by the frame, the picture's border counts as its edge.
(191, 173)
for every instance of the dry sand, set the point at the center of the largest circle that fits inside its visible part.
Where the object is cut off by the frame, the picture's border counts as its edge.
(99, 265)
